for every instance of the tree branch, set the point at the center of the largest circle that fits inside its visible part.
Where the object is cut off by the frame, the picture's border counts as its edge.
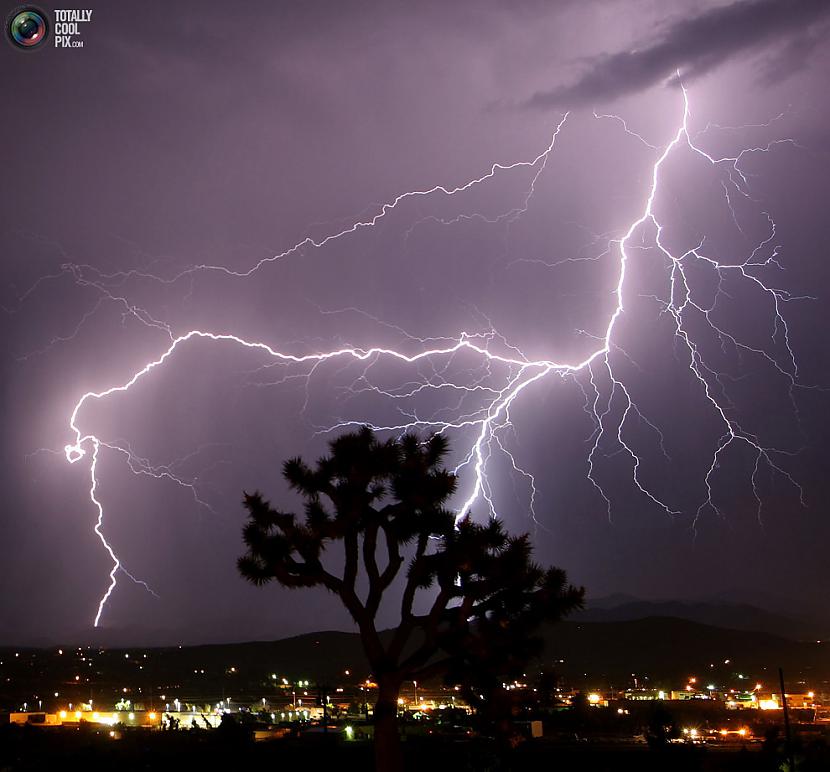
(430, 628)
(408, 622)
(370, 543)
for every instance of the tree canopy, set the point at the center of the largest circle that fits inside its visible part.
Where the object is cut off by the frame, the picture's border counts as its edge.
(383, 505)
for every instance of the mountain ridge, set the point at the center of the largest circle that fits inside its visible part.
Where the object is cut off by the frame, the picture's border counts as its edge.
(657, 651)
(730, 615)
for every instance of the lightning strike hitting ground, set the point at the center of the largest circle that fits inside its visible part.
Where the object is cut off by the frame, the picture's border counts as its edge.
(505, 374)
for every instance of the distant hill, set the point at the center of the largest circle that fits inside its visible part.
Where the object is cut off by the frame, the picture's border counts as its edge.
(778, 616)
(664, 649)
(660, 651)
(669, 650)
(736, 616)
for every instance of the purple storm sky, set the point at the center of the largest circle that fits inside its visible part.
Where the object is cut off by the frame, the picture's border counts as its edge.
(146, 174)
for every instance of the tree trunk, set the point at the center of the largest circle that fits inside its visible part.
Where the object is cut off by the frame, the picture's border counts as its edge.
(388, 752)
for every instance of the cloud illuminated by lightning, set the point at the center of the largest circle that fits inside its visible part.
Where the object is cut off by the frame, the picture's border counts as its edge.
(505, 374)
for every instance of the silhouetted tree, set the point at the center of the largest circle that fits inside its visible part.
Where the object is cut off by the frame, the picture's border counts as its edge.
(661, 726)
(383, 503)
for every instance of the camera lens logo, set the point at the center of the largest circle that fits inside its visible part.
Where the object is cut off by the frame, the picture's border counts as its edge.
(28, 28)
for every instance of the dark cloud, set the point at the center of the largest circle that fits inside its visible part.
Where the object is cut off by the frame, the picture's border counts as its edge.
(695, 46)
(793, 56)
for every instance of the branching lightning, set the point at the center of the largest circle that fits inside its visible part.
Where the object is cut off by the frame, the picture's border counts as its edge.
(479, 401)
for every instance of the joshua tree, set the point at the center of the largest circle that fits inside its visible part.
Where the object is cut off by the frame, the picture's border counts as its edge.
(380, 505)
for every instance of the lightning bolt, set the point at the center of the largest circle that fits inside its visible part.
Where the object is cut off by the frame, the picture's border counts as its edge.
(484, 394)
(99, 524)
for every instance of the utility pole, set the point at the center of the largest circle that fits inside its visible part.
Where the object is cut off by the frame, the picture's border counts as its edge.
(789, 744)
(323, 699)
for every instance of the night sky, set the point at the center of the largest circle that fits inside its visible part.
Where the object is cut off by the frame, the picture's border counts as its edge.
(148, 174)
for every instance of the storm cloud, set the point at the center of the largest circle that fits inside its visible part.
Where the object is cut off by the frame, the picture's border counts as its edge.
(695, 46)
